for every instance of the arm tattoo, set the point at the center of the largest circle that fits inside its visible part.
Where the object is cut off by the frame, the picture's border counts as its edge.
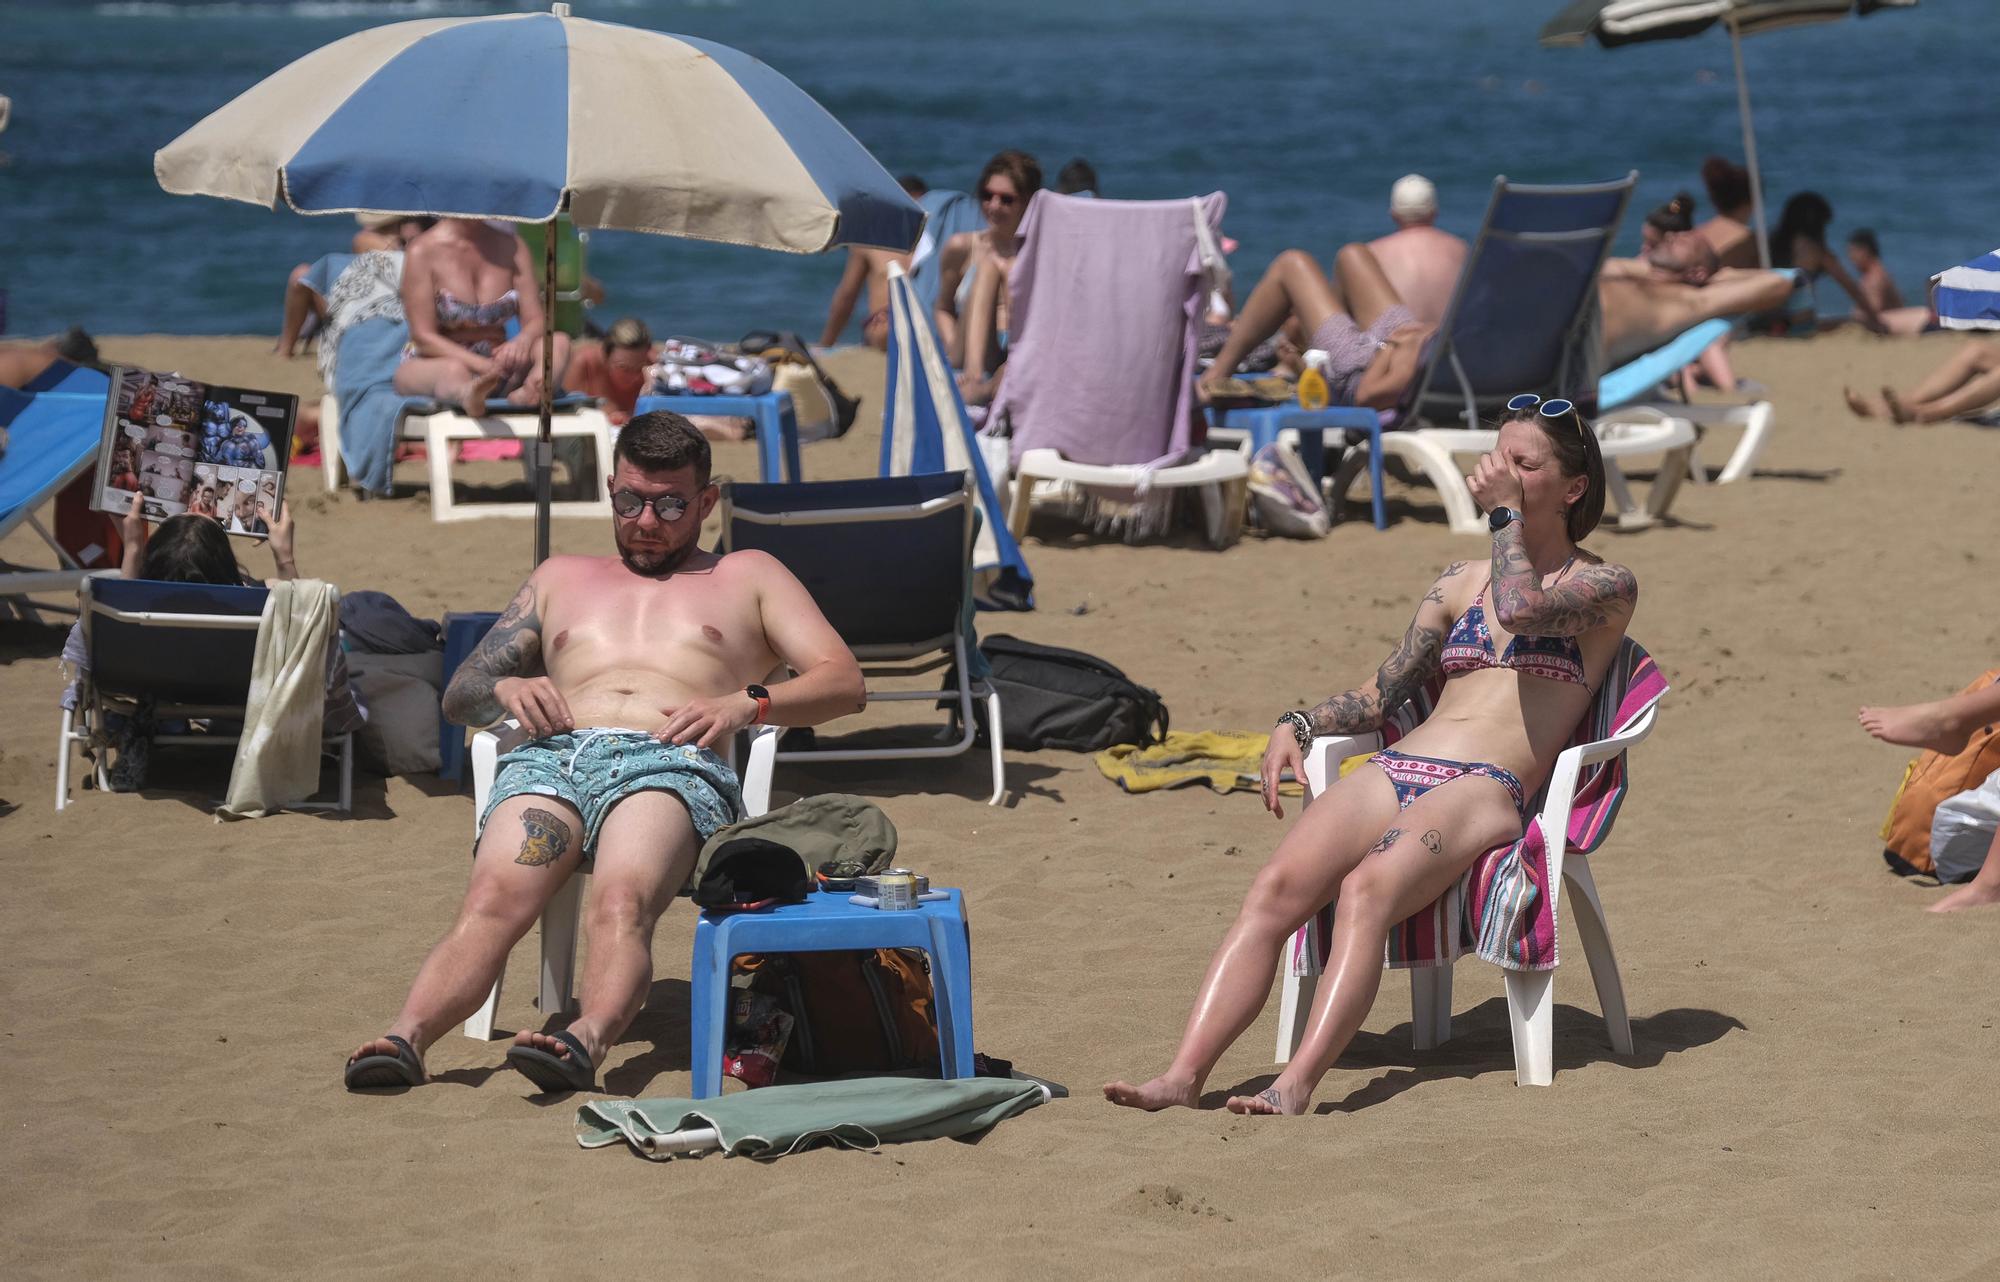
(1401, 675)
(544, 837)
(1588, 599)
(512, 648)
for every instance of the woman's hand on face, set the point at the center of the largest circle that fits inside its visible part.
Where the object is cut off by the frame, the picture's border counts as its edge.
(1494, 484)
(1282, 755)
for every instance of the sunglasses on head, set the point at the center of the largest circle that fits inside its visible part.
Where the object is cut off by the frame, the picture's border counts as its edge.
(1006, 198)
(667, 507)
(1548, 409)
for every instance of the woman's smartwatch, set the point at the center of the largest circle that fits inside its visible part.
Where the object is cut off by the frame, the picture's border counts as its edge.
(1500, 517)
(763, 698)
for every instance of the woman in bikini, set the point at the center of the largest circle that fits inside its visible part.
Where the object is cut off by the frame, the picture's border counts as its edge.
(463, 280)
(1522, 647)
(973, 269)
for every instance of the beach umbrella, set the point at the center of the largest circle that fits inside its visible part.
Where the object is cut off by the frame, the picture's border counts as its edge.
(925, 428)
(1623, 22)
(852, 1112)
(524, 116)
(1968, 296)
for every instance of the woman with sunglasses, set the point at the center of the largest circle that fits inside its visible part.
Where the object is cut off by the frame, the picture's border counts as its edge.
(1522, 639)
(1006, 184)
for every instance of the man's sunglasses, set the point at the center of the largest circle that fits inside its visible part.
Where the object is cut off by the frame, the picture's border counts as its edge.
(1006, 198)
(1548, 409)
(668, 507)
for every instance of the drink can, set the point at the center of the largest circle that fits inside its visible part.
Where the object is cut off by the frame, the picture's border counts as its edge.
(895, 890)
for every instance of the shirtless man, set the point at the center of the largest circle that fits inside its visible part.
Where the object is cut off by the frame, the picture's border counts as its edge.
(1421, 262)
(1648, 300)
(868, 267)
(663, 635)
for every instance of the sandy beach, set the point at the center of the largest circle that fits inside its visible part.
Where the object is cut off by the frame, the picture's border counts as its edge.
(1813, 1094)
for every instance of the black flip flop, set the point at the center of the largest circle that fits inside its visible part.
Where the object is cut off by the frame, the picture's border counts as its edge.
(385, 1072)
(571, 1072)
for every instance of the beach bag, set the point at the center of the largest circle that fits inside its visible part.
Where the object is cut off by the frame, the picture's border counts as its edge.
(865, 1011)
(1962, 831)
(822, 409)
(1056, 698)
(1283, 497)
(1932, 777)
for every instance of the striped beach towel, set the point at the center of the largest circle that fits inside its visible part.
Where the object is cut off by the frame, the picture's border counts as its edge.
(1504, 907)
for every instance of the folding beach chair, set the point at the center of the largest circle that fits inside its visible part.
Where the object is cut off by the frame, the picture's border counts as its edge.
(187, 648)
(1098, 392)
(888, 560)
(52, 429)
(1504, 908)
(562, 918)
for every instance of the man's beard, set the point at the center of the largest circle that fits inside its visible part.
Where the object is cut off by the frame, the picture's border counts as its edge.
(656, 563)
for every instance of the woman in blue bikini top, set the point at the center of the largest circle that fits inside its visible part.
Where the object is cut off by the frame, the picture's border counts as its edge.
(1521, 641)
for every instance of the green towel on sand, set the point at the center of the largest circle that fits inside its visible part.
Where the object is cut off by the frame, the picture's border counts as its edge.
(1225, 760)
(855, 1112)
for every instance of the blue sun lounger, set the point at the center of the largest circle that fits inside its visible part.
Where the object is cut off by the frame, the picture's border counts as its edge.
(53, 428)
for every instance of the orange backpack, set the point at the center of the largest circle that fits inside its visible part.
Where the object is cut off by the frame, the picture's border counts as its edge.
(1932, 777)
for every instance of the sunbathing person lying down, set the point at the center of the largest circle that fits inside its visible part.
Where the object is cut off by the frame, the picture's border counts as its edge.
(1376, 345)
(1522, 641)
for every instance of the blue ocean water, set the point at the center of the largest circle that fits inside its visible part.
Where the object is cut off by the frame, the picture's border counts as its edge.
(1303, 111)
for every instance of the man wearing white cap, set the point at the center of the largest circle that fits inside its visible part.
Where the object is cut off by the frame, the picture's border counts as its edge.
(1419, 260)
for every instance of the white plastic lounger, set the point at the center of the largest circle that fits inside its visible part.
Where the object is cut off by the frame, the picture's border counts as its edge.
(1631, 393)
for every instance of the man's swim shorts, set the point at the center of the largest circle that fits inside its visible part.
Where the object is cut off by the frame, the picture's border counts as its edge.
(595, 769)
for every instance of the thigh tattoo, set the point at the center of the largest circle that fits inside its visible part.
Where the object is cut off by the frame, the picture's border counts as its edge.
(544, 839)
(1433, 841)
(1388, 839)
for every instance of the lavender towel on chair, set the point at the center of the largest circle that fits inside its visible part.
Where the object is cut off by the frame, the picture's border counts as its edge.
(1106, 298)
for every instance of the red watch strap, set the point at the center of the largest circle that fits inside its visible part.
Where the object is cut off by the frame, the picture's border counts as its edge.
(763, 709)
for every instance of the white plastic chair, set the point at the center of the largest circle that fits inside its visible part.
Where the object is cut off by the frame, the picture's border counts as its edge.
(562, 918)
(1530, 994)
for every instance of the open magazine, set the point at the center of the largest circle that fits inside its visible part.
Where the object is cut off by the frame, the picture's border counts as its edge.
(219, 452)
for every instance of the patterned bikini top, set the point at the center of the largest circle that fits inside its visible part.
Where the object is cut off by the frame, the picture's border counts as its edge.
(456, 313)
(1469, 647)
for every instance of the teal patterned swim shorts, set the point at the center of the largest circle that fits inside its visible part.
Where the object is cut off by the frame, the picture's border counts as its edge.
(593, 770)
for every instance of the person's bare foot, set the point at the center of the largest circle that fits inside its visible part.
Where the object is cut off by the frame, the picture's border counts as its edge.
(1861, 405)
(1897, 410)
(1162, 1092)
(1917, 725)
(476, 393)
(1272, 1101)
(1971, 895)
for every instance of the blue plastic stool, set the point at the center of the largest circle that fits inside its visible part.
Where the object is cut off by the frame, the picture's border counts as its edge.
(1264, 424)
(462, 635)
(826, 922)
(777, 425)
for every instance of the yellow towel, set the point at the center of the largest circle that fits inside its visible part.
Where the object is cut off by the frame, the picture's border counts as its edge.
(277, 760)
(1225, 760)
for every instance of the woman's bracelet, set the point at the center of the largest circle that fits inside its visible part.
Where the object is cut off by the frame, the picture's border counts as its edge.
(1302, 728)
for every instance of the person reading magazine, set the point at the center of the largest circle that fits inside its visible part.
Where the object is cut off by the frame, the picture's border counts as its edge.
(190, 447)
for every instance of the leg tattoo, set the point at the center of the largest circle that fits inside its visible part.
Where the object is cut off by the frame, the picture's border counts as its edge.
(545, 839)
(1433, 842)
(1388, 839)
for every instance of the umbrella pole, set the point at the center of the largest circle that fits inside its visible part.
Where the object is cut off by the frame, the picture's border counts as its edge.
(544, 447)
(1750, 151)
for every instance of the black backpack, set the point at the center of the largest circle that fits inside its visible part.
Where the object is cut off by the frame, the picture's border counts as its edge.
(1056, 698)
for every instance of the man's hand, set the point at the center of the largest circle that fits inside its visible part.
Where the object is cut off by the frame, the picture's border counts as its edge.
(1495, 484)
(707, 722)
(536, 704)
(1282, 755)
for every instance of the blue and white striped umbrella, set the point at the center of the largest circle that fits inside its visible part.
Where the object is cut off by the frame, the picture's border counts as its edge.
(925, 429)
(1968, 296)
(510, 116)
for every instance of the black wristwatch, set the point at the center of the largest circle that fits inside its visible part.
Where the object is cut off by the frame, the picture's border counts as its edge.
(763, 698)
(1499, 518)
